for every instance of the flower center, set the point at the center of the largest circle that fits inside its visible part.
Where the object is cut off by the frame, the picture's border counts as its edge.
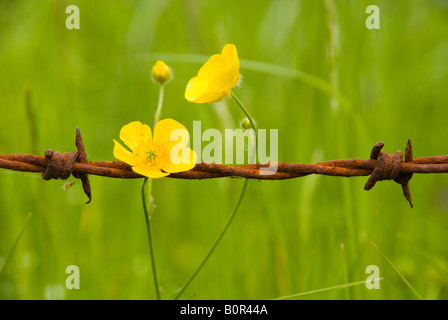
(151, 156)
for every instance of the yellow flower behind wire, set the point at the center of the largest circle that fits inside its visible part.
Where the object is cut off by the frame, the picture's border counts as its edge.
(155, 156)
(216, 77)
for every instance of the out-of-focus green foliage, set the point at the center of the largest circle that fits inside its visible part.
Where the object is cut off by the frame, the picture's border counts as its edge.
(287, 235)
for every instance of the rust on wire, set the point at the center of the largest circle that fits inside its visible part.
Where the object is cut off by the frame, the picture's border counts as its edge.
(380, 166)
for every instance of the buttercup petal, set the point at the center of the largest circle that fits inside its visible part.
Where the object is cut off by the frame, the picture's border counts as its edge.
(232, 72)
(212, 67)
(150, 172)
(163, 130)
(196, 87)
(122, 154)
(229, 53)
(227, 78)
(235, 67)
(191, 158)
(198, 91)
(135, 134)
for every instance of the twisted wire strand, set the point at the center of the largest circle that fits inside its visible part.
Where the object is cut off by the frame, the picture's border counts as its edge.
(380, 166)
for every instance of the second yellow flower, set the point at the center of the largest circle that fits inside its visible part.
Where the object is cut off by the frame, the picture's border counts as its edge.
(216, 77)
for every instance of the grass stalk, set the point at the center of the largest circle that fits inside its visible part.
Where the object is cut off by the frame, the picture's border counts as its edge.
(217, 241)
(341, 286)
(14, 246)
(397, 271)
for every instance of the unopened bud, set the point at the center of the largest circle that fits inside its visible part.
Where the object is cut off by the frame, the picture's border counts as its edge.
(161, 73)
(245, 123)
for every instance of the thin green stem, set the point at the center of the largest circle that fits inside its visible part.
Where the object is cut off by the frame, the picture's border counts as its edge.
(145, 194)
(251, 120)
(215, 244)
(159, 104)
(148, 229)
(251, 148)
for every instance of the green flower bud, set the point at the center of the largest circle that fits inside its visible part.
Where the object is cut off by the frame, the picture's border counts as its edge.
(245, 123)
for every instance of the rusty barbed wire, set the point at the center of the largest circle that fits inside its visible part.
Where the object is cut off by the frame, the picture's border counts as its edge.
(380, 166)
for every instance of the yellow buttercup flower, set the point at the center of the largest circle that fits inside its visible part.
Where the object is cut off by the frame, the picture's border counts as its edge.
(216, 77)
(156, 156)
(161, 73)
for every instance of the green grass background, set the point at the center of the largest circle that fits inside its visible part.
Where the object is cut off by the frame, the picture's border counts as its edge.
(287, 236)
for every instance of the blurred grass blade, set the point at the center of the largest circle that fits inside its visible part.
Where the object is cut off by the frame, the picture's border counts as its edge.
(341, 286)
(286, 72)
(428, 255)
(176, 57)
(11, 253)
(397, 271)
(344, 267)
(32, 123)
